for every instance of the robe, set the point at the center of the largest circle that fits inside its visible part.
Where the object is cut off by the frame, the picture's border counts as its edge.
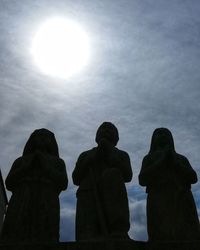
(33, 213)
(102, 203)
(171, 210)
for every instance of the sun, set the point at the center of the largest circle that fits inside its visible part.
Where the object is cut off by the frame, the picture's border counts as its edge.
(60, 48)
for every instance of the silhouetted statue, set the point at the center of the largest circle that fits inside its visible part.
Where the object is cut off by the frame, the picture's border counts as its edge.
(102, 204)
(171, 210)
(35, 180)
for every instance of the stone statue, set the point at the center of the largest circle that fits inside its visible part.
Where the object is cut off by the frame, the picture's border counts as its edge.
(102, 203)
(35, 180)
(167, 175)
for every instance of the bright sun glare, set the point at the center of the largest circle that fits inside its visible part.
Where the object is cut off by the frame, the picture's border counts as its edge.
(60, 48)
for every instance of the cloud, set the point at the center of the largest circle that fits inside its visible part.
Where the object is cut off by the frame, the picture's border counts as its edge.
(138, 229)
(67, 224)
(137, 206)
(144, 74)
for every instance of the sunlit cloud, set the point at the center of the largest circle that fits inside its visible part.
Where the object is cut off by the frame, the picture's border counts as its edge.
(144, 74)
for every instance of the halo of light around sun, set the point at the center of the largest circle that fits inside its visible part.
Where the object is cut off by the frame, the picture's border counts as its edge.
(60, 48)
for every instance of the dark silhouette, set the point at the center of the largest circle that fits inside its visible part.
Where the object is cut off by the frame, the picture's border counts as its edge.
(171, 211)
(102, 204)
(35, 180)
(3, 200)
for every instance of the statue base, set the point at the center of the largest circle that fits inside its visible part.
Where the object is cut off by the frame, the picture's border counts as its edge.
(105, 245)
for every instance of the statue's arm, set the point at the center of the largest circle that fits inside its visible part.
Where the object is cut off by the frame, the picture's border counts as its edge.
(150, 170)
(185, 170)
(15, 174)
(62, 175)
(125, 166)
(82, 167)
(121, 160)
(58, 174)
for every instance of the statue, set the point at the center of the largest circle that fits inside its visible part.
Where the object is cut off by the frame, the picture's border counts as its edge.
(35, 180)
(167, 175)
(102, 203)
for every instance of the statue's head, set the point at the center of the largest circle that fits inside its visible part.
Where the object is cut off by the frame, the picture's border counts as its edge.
(161, 138)
(42, 140)
(107, 131)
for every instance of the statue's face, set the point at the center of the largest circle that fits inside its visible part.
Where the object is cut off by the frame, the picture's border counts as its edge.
(108, 132)
(162, 140)
(42, 140)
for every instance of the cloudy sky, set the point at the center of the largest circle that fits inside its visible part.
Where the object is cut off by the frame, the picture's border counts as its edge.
(143, 73)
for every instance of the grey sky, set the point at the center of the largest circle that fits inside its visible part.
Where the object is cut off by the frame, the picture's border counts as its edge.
(143, 73)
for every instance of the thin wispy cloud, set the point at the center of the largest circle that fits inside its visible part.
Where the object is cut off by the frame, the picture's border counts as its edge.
(144, 73)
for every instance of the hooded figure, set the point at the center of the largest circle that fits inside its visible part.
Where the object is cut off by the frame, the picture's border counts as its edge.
(35, 180)
(102, 205)
(171, 210)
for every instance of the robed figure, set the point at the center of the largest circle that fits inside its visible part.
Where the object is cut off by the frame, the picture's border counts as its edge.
(101, 172)
(35, 180)
(167, 175)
